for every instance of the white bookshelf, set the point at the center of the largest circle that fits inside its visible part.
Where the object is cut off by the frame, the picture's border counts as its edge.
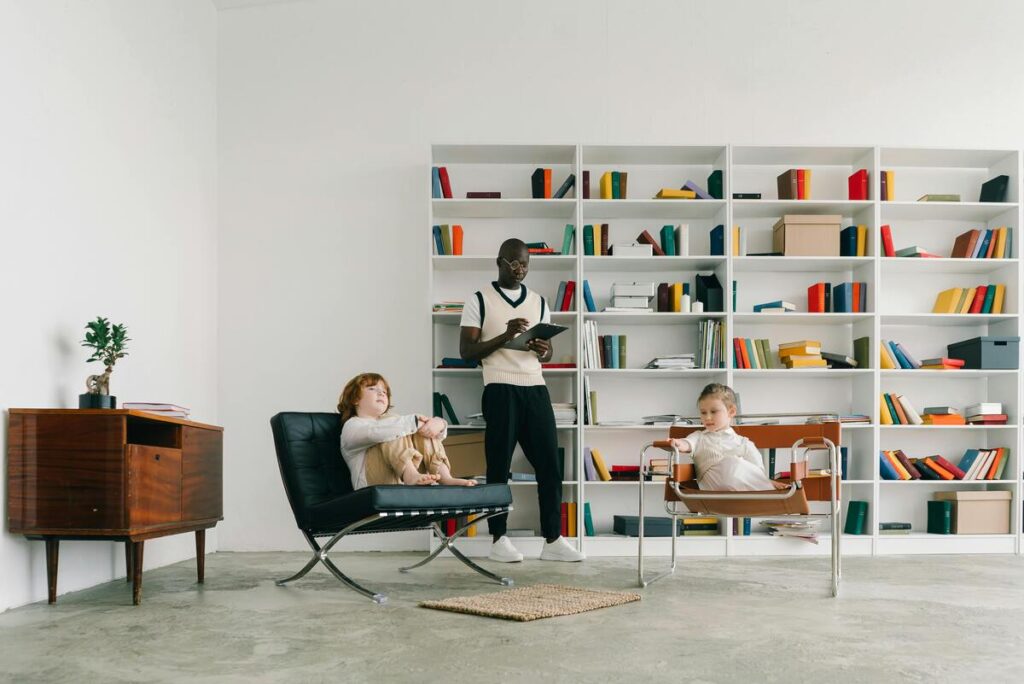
(901, 292)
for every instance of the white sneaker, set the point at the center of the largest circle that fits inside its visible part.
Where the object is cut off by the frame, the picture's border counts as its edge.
(503, 551)
(561, 550)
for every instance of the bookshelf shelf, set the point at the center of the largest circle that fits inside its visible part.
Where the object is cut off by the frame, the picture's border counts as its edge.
(653, 264)
(900, 295)
(503, 208)
(651, 208)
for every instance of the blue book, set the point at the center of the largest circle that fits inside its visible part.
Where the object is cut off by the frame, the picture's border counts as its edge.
(700, 192)
(890, 402)
(435, 183)
(559, 296)
(438, 242)
(718, 241)
(983, 244)
(848, 242)
(967, 460)
(926, 472)
(453, 362)
(898, 355)
(990, 295)
(1008, 252)
(844, 452)
(588, 521)
(746, 527)
(839, 298)
(588, 298)
(885, 468)
(778, 304)
(607, 346)
(614, 360)
(914, 363)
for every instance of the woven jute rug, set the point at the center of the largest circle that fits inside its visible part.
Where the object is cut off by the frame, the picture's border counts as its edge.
(533, 603)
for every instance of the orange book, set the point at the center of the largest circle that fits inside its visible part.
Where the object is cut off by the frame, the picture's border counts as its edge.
(895, 462)
(856, 297)
(801, 184)
(743, 352)
(896, 404)
(994, 468)
(547, 183)
(457, 240)
(948, 419)
(943, 473)
(991, 246)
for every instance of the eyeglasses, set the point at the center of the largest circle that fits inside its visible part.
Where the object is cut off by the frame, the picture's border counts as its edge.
(515, 264)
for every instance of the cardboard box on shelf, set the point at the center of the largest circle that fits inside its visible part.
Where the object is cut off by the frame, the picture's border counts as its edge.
(807, 235)
(979, 512)
(466, 453)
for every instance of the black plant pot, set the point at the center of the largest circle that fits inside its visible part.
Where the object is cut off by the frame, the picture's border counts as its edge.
(96, 401)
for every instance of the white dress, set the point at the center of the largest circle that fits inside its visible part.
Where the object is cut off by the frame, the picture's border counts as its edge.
(725, 461)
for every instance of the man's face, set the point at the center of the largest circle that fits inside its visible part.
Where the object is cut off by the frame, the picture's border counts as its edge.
(513, 267)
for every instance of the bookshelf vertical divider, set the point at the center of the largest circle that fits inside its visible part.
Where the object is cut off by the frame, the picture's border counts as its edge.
(899, 302)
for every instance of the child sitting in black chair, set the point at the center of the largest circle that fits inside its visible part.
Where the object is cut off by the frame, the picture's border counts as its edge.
(380, 448)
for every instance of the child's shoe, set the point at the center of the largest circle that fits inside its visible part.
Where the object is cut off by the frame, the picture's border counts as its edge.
(561, 550)
(503, 551)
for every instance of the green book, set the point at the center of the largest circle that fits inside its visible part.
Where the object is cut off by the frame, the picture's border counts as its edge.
(862, 352)
(616, 179)
(622, 355)
(452, 418)
(570, 230)
(437, 404)
(940, 517)
(588, 240)
(939, 198)
(715, 184)
(668, 240)
(588, 521)
(856, 517)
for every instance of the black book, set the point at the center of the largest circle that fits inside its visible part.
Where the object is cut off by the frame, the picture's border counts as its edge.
(709, 291)
(994, 190)
(828, 297)
(746, 195)
(537, 183)
(569, 182)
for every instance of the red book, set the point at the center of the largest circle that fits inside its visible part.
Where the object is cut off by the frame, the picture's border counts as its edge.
(558, 365)
(446, 184)
(547, 183)
(800, 184)
(541, 250)
(565, 519)
(570, 289)
(743, 351)
(953, 363)
(737, 345)
(905, 462)
(625, 469)
(979, 301)
(858, 183)
(856, 297)
(957, 473)
(646, 239)
(816, 298)
(887, 241)
(604, 239)
(450, 526)
(456, 239)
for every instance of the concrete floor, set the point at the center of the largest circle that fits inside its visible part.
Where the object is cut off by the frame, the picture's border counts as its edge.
(924, 618)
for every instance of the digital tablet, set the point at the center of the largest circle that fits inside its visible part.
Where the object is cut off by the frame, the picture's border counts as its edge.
(541, 331)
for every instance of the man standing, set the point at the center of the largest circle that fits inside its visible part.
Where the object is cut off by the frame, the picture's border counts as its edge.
(516, 403)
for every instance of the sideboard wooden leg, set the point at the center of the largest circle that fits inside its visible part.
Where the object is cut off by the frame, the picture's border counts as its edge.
(137, 548)
(200, 555)
(128, 561)
(52, 549)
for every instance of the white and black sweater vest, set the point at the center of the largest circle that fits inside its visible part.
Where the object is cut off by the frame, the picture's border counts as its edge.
(508, 366)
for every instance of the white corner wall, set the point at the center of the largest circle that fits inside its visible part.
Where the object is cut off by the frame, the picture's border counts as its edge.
(327, 110)
(107, 207)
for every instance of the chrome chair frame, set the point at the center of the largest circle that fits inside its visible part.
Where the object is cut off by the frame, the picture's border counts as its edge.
(431, 519)
(672, 507)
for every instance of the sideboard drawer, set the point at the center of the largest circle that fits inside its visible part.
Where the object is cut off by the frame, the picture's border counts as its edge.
(154, 485)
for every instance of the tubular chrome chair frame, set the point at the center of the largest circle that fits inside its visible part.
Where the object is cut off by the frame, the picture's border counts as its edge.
(809, 442)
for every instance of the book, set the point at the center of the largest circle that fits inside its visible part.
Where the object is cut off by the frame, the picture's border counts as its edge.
(856, 517)
(483, 194)
(645, 238)
(857, 185)
(537, 183)
(435, 183)
(994, 190)
(696, 189)
(567, 238)
(715, 184)
(746, 195)
(588, 520)
(457, 237)
(717, 239)
(153, 406)
(778, 304)
(940, 517)
(939, 198)
(862, 352)
(602, 469)
(887, 244)
(586, 186)
(672, 193)
(787, 186)
(446, 184)
(565, 187)
(605, 185)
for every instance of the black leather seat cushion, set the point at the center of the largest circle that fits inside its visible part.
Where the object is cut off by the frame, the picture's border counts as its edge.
(335, 514)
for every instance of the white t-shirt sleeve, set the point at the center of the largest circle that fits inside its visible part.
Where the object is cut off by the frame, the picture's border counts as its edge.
(546, 318)
(471, 313)
(359, 434)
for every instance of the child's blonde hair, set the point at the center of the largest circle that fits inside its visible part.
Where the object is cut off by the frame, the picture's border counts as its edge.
(718, 391)
(353, 392)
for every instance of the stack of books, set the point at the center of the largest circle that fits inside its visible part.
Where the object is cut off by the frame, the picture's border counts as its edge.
(440, 183)
(799, 529)
(849, 297)
(894, 355)
(914, 252)
(453, 362)
(942, 415)
(896, 409)
(657, 469)
(632, 297)
(449, 306)
(985, 299)
(565, 413)
(939, 198)
(625, 473)
(894, 528)
(165, 410)
(942, 363)
(802, 354)
(540, 249)
(985, 243)
(986, 413)
(476, 420)
(673, 362)
(665, 420)
(794, 184)
(777, 306)
(753, 354)
(613, 185)
(703, 526)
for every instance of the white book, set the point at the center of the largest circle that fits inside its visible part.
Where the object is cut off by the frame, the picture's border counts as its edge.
(634, 290)
(627, 309)
(912, 415)
(989, 407)
(148, 406)
(981, 464)
(682, 232)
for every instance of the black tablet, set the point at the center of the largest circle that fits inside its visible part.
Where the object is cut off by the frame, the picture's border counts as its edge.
(541, 331)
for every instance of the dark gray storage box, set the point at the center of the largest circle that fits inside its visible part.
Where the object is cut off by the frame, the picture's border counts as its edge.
(653, 526)
(988, 353)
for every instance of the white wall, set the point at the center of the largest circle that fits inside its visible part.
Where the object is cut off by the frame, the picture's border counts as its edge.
(107, 207)
(327, 110)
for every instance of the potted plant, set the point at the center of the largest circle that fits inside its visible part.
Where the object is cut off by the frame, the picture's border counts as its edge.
(109, 343)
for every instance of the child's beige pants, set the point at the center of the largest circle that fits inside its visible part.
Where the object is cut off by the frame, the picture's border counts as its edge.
(385, 462)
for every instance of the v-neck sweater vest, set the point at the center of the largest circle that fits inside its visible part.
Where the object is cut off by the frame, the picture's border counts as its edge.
(508, 366)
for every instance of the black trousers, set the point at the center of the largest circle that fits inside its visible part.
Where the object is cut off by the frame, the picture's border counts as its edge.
(524, 415)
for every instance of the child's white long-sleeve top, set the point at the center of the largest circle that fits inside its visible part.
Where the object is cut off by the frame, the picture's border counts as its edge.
(725, 460)
(359, 434)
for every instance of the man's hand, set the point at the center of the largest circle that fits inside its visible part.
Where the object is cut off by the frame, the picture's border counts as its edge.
(515, 327)
(539, 347)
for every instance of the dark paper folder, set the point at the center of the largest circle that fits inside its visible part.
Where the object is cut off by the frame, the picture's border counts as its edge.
(541, 331)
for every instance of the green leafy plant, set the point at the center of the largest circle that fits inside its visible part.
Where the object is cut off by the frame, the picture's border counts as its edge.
(109, 343)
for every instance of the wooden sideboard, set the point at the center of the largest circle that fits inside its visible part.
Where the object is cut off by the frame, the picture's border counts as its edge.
(112, 475)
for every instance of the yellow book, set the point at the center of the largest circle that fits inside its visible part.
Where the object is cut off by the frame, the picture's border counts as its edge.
(947, 300)
(888, 363)
(572, 518)
(677, 297)
(799, 351)
(1000, 250)
(800, 343)
(883, 411)
(471, 530)
(807, 184)
(606, 185)
(602, 469)
(997, 301)
(700, 521)
(965, 302)
(898, 465)
(597, 239)
(672, 193)
(862, 240)
(736, 240)
(890, 185)
(805, 362)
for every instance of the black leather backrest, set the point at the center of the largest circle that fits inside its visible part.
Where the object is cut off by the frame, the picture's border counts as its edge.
(309, 454)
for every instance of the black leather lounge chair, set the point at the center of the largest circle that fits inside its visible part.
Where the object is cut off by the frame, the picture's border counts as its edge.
(319, 489)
